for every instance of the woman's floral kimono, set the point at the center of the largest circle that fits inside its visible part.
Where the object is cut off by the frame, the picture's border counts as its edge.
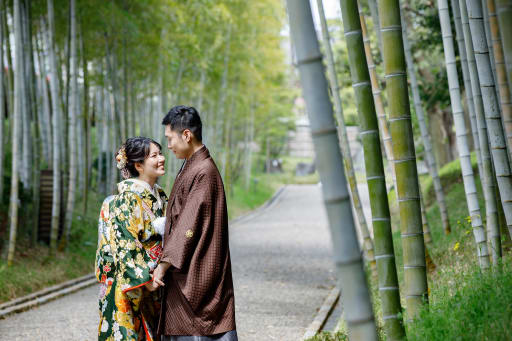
(128, 251)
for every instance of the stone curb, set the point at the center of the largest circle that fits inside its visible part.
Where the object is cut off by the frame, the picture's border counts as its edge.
(46, 295)
(323, 313)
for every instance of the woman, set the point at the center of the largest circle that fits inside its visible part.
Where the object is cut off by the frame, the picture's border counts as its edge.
(130, 243)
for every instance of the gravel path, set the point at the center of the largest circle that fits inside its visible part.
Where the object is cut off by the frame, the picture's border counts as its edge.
(282, 270)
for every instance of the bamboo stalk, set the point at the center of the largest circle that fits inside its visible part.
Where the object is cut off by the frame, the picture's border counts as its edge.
(504, 11)
(492, 114)
(501, 74)
(17, 115)
(344, 143)
(467, 82)
(349, 266)
(425, 135)
(415, 275)
(487, 175)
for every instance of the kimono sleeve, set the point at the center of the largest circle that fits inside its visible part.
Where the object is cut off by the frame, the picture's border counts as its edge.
(131, 259)
(104, 265)
(196, 216)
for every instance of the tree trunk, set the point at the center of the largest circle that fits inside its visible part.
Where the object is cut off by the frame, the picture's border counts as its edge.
(501, 75)
(487, 175)
(56, 119)
(16, 117)
(2, 107)
(467, 82)
(369, 133)
(36, 133)
(86, 123)
(377, 93)
(504, 9)
(352, 281)
(72, 128)
(487, 28)
(490, 102)
(425, 136)
(408, 191)
(462, 136)
(27, 164)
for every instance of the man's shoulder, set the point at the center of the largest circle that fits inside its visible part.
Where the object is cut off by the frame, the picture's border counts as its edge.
(206, 167)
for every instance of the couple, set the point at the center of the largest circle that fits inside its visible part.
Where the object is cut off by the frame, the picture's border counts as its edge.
(164, 265)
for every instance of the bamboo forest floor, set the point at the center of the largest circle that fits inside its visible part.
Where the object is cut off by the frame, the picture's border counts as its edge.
(464, 303)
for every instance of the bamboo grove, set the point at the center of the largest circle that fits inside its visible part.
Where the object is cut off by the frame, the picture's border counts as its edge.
(79, 77)
(474, 37)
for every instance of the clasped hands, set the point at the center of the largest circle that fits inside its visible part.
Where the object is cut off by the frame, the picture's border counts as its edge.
(158, 277)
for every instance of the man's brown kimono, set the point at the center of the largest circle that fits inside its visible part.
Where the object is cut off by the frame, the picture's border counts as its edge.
(199, 298)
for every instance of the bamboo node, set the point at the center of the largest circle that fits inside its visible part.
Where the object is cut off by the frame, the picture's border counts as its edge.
(391, 28)
(309, 60)
(326, 131)
(365, 83)
(395, 74)
(415, 234)
(401, 118)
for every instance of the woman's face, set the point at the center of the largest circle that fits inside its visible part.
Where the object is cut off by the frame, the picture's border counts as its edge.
(153, 166)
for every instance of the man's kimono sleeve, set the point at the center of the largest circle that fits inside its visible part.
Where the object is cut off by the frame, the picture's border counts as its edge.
(130, 257)
(194, 220)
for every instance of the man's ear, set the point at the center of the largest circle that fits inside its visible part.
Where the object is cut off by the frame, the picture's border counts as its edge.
(187, 134)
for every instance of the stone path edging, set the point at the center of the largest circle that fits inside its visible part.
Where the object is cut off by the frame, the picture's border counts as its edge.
(323, 313)
(46, 295)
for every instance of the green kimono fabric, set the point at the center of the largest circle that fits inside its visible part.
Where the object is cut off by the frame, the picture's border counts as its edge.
(128, 251)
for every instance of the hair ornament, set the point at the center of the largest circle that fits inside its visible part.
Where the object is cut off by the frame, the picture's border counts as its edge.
(121, 158)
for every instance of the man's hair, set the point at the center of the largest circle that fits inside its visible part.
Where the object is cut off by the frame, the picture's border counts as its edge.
(182, 117)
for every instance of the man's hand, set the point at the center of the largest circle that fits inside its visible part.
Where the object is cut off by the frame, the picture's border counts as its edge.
(151, 286)
(159, 273)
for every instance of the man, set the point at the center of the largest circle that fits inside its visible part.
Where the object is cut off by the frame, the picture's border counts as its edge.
(195, 267)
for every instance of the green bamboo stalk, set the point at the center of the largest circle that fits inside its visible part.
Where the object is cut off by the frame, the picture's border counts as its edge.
(344, 143)
(369, 133)
(349, 266)
(492, 114)
(416, 292)
(487, 175)
(425, 135)
(425, 227)
(377, 93)
(504, 10)
(467, 82)
(501, 74)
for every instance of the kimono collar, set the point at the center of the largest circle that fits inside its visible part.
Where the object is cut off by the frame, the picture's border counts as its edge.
(138, 186)
(201, 154)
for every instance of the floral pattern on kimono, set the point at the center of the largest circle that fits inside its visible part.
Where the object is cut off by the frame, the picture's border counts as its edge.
(128, 251)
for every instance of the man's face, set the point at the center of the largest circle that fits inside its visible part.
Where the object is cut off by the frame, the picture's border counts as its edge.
(179, 143)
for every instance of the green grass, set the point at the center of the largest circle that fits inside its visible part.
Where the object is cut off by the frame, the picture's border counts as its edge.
(264, 185)
(464, 303)
(34, 270)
